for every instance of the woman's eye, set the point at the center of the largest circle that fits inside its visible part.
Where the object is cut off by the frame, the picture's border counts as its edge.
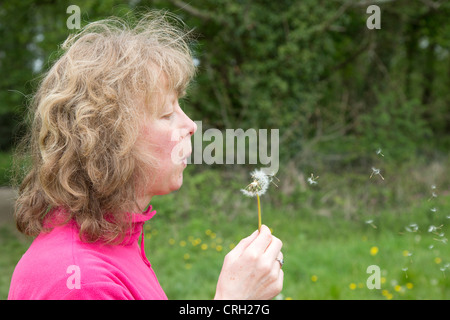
(168, 116)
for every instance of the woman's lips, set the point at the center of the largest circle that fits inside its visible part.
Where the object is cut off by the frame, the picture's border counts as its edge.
(184, 160)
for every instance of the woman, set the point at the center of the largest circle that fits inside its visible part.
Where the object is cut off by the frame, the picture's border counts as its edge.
(107, 135)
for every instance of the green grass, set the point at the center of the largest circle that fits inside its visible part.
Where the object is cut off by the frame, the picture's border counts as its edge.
(327, 243)
(329, 264)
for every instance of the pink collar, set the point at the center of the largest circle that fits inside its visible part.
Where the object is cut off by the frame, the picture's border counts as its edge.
(138, 220)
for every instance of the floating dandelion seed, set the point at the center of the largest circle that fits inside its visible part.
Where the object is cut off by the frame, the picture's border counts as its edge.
(370, 222)
(379, 152)
(404, 270)
(442, 239)
(376, 172)
(433, 193)
(312, 180)
(413, 227)
(434, 229)
(407, 254)
(257, 188)
(443, 270)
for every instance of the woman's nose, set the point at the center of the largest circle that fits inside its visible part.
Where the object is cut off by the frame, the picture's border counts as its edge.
(193, 127)
(189, 125)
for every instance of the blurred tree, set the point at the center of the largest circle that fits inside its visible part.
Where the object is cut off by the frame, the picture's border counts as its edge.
(334, 88)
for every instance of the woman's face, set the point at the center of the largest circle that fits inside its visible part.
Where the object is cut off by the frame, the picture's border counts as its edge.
(166, 136)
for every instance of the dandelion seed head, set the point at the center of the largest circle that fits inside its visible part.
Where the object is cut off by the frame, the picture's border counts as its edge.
(259, 185)
(260, 178)
(248, 193)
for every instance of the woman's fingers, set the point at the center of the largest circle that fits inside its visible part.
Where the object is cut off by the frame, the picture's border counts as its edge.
(251, 269)
(244, 243)
(262, 241)
(274, 249)
(280, 259)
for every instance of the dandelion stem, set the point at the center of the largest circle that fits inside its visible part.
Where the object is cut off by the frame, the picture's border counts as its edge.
(259, 213)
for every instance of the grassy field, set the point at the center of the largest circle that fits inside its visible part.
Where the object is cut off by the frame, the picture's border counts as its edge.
(323, 259)
(332, 233)
(315, 268)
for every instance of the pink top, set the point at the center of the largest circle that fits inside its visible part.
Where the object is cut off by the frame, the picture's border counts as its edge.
(58, 265)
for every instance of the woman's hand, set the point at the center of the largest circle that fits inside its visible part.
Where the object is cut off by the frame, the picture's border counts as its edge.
(251, 270)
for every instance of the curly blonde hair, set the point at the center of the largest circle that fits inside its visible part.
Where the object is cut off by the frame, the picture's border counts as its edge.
(86, 117)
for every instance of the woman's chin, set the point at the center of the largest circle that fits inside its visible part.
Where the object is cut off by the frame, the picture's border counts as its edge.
(172, 184)
(180, 181)
(177, 182)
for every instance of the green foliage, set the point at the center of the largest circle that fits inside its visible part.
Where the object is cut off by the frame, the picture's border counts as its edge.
(317, 73)
(313, 71)
(5, 168)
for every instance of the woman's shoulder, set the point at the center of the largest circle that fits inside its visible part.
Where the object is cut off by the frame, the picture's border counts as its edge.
(58, 264)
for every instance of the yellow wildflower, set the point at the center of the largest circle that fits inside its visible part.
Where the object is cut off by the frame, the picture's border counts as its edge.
(373, 251)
